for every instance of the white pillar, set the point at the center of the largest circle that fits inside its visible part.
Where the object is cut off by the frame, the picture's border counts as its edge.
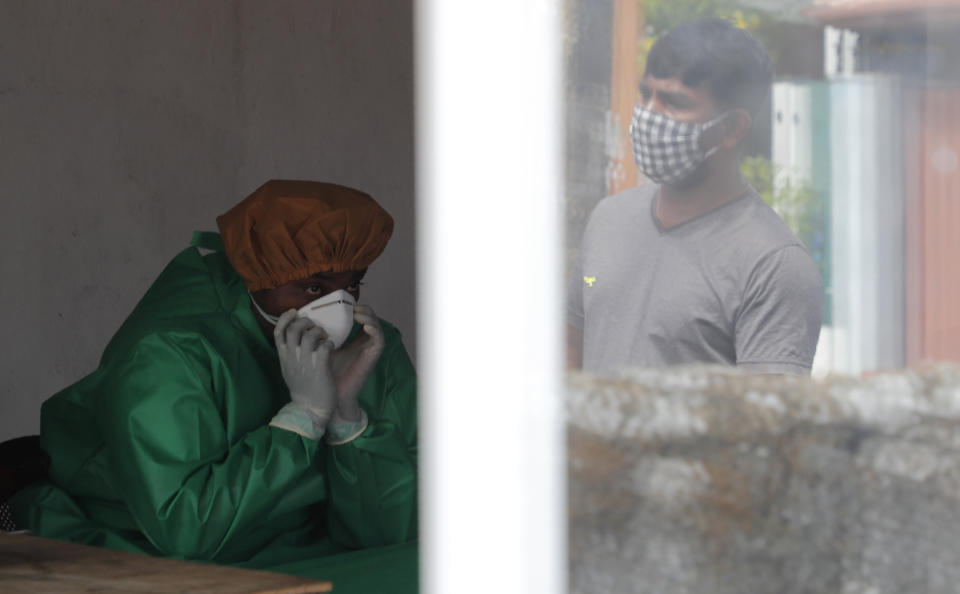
(868, 232)
(489, 145)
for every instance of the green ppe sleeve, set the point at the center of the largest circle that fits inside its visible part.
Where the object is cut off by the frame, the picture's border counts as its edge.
(373, 478)
(202, 472)
(340, 431)
(296, 418)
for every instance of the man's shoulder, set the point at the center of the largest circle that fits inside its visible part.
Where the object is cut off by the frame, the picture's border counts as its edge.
(635, 199)
(760, 231)
(630, 207)
(771, 252)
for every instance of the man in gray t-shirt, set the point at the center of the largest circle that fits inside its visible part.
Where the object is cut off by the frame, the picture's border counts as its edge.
(731, 286)
(694, 267)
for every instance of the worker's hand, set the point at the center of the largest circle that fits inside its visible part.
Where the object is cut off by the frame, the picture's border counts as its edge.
(353, 363)
(304, 352)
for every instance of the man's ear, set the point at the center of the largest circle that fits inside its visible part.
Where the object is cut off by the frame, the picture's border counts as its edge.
(735, 127)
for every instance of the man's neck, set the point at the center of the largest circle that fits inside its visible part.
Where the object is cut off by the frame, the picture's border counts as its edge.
(677, 206)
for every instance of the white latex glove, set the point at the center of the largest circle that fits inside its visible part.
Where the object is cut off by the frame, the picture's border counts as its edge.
(353, 363)
(304, 352)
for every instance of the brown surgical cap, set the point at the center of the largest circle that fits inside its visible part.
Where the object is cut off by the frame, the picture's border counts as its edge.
(290, 230)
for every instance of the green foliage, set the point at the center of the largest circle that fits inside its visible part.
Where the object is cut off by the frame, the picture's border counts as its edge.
(663, 15)
(758, 172)
(799, 205)
(803, 209)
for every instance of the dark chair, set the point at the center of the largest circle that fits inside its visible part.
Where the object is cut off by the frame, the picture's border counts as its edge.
(22, 461)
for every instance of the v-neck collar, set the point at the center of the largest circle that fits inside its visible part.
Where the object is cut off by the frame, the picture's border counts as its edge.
(673, 228)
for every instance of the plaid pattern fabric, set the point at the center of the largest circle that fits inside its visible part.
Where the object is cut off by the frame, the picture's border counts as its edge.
(666, 150)
(6, 519)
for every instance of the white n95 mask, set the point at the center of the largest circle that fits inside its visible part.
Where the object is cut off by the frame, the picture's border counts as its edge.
(333, 312)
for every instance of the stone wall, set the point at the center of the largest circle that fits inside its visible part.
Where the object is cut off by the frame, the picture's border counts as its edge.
(708, 481)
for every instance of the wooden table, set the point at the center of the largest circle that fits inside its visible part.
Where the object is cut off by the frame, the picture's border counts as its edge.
(35, 565)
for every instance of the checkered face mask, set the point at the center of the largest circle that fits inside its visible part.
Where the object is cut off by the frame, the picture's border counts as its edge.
(666, 150)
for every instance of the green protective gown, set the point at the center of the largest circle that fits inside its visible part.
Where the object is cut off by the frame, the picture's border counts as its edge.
(166, 448)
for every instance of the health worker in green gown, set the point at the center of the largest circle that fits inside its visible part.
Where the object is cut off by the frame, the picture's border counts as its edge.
(250, 410)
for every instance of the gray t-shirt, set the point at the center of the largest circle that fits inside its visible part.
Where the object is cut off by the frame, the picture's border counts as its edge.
(733, 286)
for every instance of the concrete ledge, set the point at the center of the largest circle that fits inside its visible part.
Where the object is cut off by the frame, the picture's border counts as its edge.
(704, 480)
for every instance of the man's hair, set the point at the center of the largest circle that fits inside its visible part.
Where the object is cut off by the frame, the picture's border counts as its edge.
(729, 62)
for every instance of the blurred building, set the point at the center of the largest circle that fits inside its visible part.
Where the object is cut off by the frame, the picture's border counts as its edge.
(863, 141)
(884, 132)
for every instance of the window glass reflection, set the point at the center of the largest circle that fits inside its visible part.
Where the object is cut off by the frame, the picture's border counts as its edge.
(853, 146)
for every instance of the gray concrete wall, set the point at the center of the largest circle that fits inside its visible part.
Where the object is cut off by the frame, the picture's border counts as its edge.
(706, 481)
(125, 125)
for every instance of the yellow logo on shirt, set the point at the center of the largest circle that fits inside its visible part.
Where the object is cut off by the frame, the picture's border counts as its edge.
(589, 280)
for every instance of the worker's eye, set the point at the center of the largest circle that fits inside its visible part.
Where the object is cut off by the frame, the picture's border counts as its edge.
(314, 289)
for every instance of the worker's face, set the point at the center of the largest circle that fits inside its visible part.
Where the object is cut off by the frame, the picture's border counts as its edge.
(298, 293)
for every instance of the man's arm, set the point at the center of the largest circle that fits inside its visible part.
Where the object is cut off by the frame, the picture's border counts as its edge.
(575, 319)
(574, 347)
(778, 323)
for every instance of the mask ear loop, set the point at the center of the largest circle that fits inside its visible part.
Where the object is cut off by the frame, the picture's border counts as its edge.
(708, 126)
(272, 319)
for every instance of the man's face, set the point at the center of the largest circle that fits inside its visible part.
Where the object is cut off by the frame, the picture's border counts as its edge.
(298, 293)
(674, 99)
